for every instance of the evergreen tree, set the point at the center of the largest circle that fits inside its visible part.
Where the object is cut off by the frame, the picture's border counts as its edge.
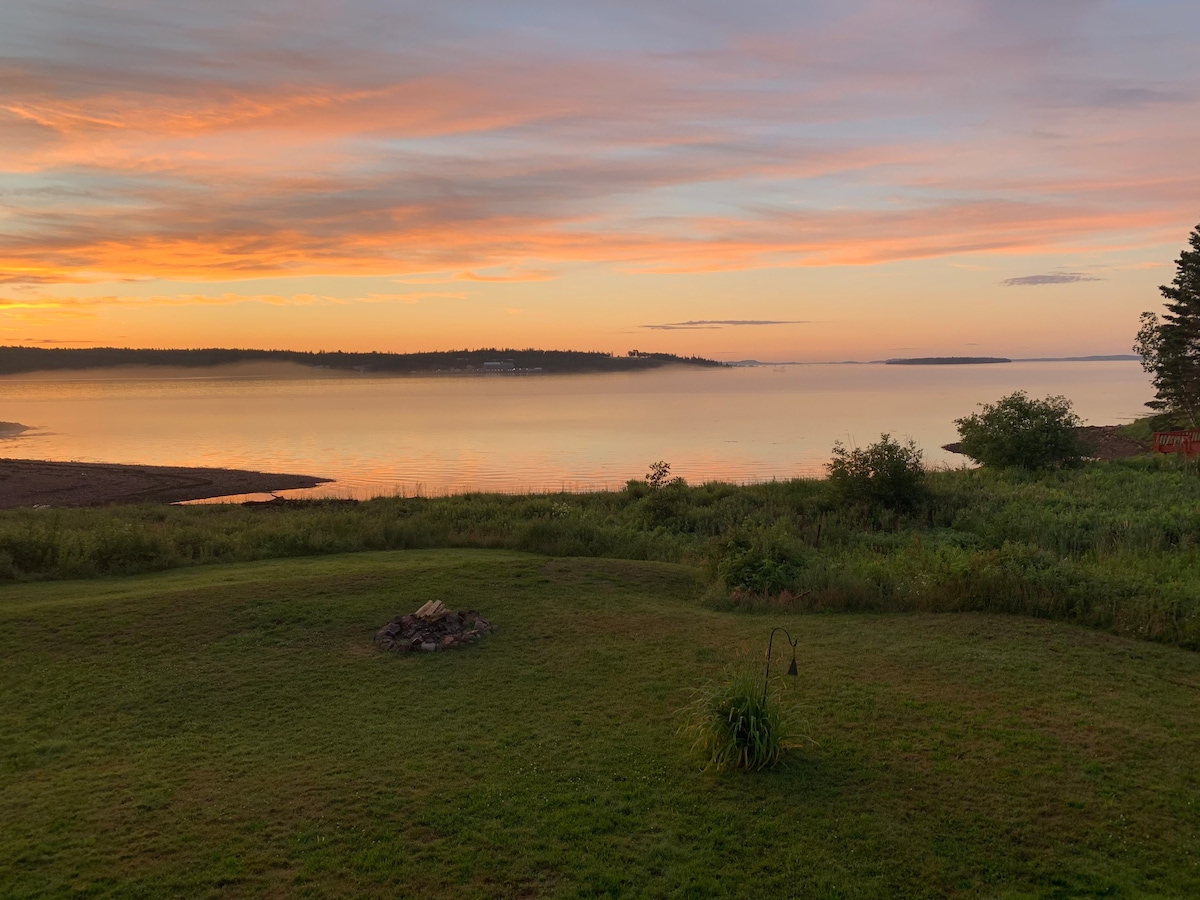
(1170, 348)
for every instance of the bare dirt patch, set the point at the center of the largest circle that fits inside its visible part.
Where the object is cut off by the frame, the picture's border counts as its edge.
(33, 482)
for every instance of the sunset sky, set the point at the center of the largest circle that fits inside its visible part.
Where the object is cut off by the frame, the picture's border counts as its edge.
(778, 180)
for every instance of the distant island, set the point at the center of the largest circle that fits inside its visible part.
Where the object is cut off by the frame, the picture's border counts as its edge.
(947, 361)
(489, 361)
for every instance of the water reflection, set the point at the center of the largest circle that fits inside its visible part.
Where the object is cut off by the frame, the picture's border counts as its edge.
(580, 432)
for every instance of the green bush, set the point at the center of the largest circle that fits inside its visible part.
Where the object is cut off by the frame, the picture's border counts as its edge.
(764, 563)
(1113, 545)
(886, 473)
(123, 548)
(666, 503)
(33, 550)
(734, 724)
(1019, 431)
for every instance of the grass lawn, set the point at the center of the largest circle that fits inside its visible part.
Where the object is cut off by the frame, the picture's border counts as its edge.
(231, 730)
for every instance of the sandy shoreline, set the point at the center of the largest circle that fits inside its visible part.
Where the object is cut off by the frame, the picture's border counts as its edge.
(34, 482)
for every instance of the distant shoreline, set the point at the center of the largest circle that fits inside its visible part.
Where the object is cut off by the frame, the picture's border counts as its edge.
(35, 482)
(948, 361)
(20, 360)
(60, 363)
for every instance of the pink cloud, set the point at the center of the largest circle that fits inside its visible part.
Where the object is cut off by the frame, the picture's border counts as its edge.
(850, 135)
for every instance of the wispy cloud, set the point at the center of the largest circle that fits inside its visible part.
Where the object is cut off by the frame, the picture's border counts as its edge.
(415, 297)
(720, 323)
(83, 303)
(222, 142)
(30, 279)
(1059, 278)
(518, 275)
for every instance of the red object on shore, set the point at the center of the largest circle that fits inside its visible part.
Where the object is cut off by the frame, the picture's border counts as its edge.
(1184, 442)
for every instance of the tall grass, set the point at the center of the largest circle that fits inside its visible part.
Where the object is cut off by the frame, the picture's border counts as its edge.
(1112, 545)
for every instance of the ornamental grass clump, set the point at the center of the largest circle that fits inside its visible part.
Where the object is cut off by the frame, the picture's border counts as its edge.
(734, 724)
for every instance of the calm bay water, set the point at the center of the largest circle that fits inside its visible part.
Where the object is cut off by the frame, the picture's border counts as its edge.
(540, 433)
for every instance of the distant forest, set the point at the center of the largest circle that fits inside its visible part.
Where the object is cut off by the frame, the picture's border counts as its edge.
(947, 361)
(14, 360)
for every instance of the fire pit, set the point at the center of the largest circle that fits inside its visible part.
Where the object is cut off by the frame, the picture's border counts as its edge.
(433, 627)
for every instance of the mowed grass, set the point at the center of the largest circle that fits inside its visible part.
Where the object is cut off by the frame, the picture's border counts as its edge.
(232, 731)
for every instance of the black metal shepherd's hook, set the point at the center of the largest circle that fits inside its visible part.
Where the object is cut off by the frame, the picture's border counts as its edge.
(792, 670)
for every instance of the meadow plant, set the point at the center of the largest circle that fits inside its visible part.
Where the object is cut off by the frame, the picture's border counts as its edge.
(887, 473)
(659, 474)
(1113, 545)
(1019, 430)
(765, 562)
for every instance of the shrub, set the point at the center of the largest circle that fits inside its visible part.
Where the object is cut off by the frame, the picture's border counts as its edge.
(734, 724)
(34, 551)
(1018, 431)
(887, 473)
(659, 474)
(665, 500)
(765, 563)
(126, 548)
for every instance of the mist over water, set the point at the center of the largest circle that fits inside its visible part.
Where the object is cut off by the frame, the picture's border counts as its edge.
(432, 435)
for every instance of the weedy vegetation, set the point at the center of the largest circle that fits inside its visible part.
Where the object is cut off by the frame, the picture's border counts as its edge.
(885, 474)
(1021, 431)
(1113, 545)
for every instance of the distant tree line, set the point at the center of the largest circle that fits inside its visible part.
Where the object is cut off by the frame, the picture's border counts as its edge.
(33, 359)
(947, 361)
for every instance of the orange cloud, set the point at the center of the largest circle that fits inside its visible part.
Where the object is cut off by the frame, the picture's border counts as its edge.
(820, 238)
(512, 276)
(446, 157)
